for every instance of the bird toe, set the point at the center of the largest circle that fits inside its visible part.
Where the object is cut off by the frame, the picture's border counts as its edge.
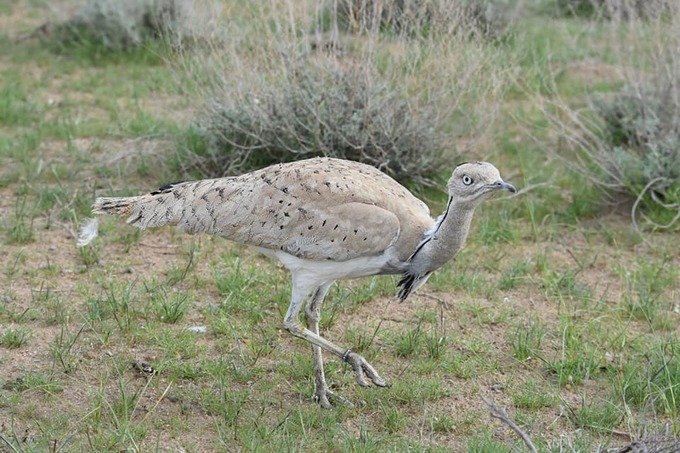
(363, 369)
(324, 395)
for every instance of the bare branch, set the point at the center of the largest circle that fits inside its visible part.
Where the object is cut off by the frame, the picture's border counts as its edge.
(500, 414)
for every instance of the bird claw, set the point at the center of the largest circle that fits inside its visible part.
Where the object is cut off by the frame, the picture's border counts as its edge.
(322, 395)
(363, 369)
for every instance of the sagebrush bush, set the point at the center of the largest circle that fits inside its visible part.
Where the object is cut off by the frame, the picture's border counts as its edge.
(323, 110)
(641, 140)
(400, 103)
(489, 18)
(123, 25)
(616, 9)
(628, 142)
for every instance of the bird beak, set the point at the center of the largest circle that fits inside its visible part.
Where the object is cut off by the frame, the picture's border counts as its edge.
(502, 185)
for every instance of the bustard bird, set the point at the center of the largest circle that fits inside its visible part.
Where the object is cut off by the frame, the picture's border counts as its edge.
(324, 219)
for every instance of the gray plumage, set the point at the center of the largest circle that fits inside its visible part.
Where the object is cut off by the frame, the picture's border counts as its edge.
(324, 219)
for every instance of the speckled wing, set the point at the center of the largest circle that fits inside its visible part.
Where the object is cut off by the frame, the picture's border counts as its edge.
(322, 232)
(314, 226)
(315, 209)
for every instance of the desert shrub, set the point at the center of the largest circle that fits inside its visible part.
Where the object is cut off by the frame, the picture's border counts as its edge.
(323, 110)
(617, 9)
(628, 142)
(123, 25)
(489, 18)
(399, 103)
(632, 147)
(639, 146)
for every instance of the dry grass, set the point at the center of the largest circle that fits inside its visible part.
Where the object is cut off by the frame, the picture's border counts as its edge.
(625, 141)
(399, 102)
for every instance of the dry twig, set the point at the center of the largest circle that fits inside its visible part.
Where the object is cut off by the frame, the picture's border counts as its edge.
(500, 414)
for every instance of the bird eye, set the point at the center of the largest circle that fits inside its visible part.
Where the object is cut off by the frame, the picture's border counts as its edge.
(467, 180)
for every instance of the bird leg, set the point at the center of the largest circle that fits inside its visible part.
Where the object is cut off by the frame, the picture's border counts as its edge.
(313, 315)
(362, 369)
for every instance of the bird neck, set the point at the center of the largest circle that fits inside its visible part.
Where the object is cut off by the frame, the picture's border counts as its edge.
(445, 239)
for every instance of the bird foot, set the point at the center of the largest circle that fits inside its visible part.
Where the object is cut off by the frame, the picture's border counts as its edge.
(322, 395)
(363, 369)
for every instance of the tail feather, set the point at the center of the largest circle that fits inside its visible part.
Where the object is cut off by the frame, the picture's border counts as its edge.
(145, 211)
(114, 206)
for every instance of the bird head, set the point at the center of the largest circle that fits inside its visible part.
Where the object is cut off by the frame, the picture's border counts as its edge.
(473, 182)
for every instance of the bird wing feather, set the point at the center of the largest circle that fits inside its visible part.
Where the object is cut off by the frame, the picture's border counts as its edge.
(319, 215)
(321, 209)
(303, 227)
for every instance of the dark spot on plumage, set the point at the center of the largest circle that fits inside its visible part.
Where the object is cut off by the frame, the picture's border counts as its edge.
(302, 211)
(324, 223)
(166, 188)
(365, 239)
(356, 231)
(263, 223)
(336, 227)
(310, 227)
(204, 197)
(327, 184)
(136, 219)
(285, 214)
(289, 204)
(343, 239)
(280, 227)
(332, 240)
(280, 201)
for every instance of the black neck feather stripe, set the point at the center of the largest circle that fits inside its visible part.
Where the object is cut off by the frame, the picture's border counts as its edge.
(434, 233)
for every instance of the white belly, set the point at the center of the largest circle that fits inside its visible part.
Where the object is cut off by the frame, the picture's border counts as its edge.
(334, 270)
